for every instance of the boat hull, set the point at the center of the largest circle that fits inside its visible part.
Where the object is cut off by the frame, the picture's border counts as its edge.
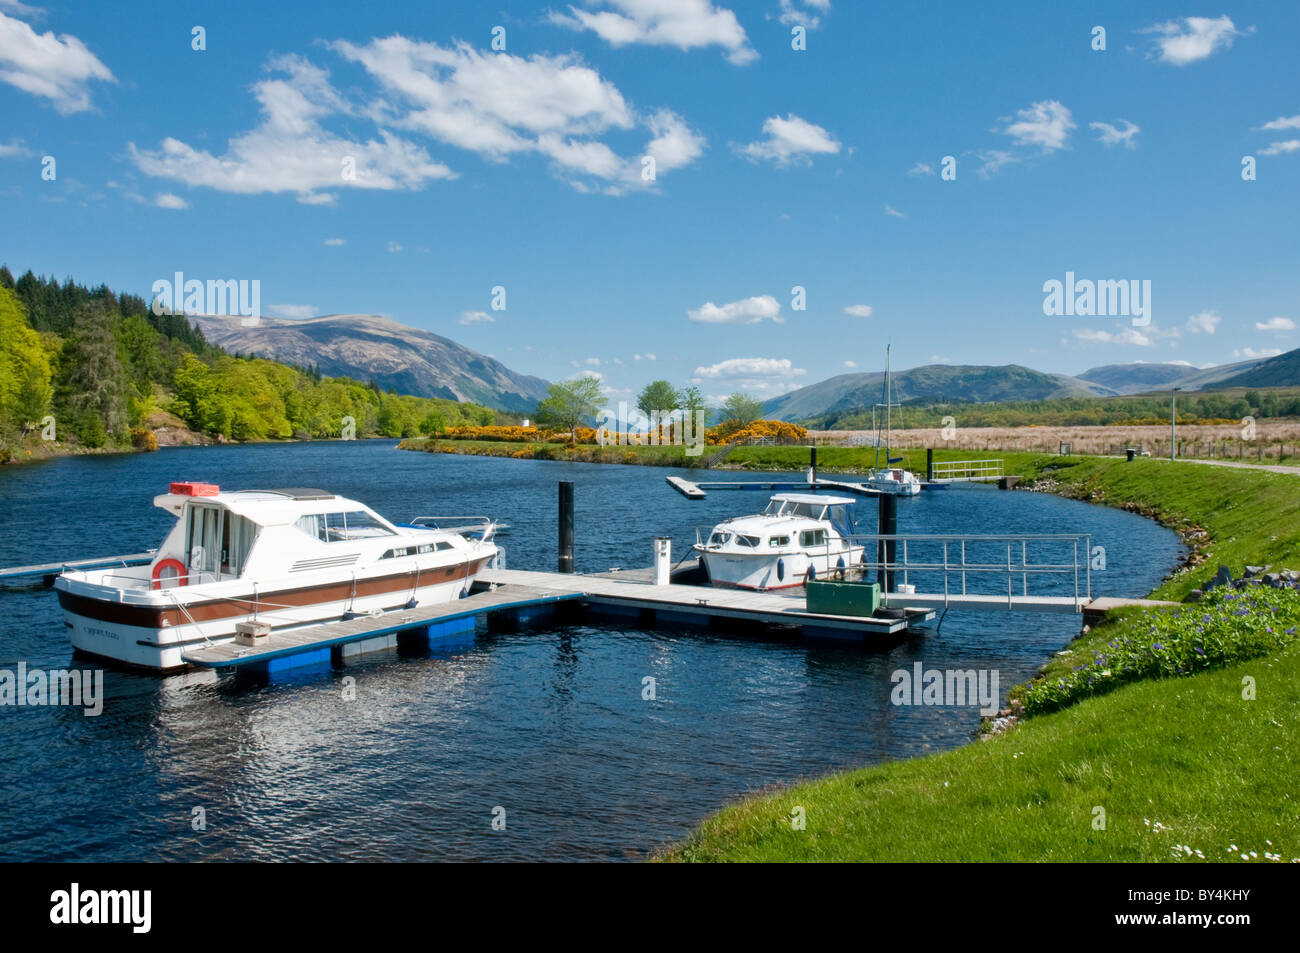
(156, 637)
(764, 572)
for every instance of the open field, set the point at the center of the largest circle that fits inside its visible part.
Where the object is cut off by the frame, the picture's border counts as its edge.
(1272, 436)
(1185, 767)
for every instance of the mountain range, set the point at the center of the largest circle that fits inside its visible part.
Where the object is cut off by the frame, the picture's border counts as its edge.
(411, 361)
(1012, 382)
(371, 347)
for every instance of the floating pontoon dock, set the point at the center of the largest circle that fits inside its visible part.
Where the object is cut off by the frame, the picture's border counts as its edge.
(50, 571)
(525, 596)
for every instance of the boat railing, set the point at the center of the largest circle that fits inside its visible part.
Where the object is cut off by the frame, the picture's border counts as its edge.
(958, 564)
(457, 524)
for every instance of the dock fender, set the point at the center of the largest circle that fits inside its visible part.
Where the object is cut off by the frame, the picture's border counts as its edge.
(181, 576)
(812, 573)
(780, 570)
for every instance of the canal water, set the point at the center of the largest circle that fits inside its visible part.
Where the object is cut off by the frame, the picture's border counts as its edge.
(546, 728)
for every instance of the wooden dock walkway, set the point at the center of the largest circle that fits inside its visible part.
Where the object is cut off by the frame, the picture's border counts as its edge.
(227, 653)
(697, 490)
(50, 570)
(782, 607)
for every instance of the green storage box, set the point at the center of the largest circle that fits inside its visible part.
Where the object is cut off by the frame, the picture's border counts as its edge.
(843, 598)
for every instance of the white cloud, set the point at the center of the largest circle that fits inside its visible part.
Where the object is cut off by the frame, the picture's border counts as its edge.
(684, 24)
(744, 311)
(790, 140)
(753, 375)
(643, 357)
(796, 13)
(168, 200)
(1251, 354)
(394, 247)
(674, 144)
(498, 105)
(850, 363)
(1278, 148)
(940, 359)
(57, 68)
(893, 212)
(592, 362)
(335, 241)
(294, 310)
(15, 149)
(993, 160)
(1275, 324)
(1280, 123)
(858, 310)
(290, 151)
(921, 168)
(1045, 125)
(1112, 135)
(1123, 336)
(476, 317)
(1204, 323)
(1192, 38)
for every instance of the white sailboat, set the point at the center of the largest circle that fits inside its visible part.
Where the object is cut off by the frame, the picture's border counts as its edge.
(890, 479)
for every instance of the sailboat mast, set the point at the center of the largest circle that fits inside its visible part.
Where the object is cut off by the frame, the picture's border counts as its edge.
(889, 402)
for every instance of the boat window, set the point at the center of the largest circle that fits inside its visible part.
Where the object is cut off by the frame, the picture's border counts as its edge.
(812, 537)
(313, 525)
(750, 541)
(776, 541)
(339, 527)
(773, 508)
(719, 539)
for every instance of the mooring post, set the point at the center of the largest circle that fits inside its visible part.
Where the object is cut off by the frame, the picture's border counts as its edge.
(929, 464)
(813, 465)
(887, 525)
(566, 526)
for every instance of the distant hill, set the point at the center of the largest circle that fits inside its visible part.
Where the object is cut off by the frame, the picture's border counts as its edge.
(1136, 378)
(932, 382)
(1280, 371)
(369, 347)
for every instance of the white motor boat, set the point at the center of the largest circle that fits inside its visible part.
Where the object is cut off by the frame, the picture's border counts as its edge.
(286, 558)
(799, 536)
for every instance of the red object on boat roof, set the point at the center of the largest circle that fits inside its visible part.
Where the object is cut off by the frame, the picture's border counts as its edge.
(194, 489)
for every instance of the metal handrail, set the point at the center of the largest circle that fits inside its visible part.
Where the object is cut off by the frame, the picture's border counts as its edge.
(1078, 569)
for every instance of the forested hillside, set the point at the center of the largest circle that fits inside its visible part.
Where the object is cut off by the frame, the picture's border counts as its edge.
(94, 368)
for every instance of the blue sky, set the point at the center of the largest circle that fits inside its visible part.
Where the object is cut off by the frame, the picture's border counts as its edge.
(774, 168)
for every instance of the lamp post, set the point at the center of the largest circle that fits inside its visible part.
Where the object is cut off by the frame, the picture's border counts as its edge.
(1173, 433)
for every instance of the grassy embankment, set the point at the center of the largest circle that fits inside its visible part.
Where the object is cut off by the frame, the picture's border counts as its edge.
(1154, 727)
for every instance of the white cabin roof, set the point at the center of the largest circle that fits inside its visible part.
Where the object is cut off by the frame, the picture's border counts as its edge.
(267, 507)
(814, 498)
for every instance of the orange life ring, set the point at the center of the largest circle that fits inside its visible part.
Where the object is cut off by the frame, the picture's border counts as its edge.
(181, 571)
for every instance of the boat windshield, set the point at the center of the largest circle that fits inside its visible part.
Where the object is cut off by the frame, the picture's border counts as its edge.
(342, 527)
(789, 508)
